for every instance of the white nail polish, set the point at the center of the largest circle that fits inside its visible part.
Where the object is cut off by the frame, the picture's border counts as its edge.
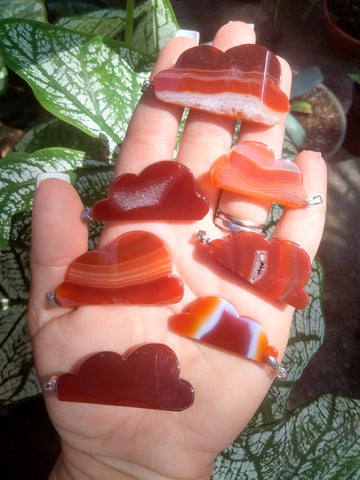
(189, 34)
(45, 176)
(252, 25)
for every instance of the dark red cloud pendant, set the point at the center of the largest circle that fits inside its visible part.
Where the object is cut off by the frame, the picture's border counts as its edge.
(148, 378)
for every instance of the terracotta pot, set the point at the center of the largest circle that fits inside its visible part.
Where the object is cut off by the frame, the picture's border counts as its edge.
(342, 43)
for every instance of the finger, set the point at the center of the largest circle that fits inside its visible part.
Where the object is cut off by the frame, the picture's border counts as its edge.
(207, 136)
(305, 225)
(152, 132)
(240, 206)
(58, 237)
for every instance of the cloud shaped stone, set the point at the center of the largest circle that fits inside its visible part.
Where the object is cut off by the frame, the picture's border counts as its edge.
(163, 191)
(241, 83)
(278, 268)
(251, 168)
(148, 378)
(136, 268)
(215, 321)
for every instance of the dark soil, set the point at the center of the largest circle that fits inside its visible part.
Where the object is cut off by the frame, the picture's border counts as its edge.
(324, 126)
(346, 15)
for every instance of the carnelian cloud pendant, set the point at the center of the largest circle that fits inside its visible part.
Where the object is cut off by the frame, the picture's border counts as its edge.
(278, 268)
(241, 83)
(214, 321)
(252, 169)
(135, 269)
(148, 378)
(163, 191)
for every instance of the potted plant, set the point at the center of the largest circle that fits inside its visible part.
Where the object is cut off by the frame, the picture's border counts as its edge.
(342, 23)
(317, 120)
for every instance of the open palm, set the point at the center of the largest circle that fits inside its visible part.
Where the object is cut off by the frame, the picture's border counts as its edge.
(123, 442)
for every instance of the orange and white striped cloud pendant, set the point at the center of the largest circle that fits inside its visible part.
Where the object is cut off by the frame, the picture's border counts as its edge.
(214, 321)
(135, 269)
(251, 169)
(242, 83)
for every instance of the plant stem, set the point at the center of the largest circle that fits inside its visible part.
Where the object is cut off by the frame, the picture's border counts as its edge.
(129, 26)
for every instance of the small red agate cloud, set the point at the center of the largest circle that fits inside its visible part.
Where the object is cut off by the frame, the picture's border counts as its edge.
(278, 268)
(252, 169)
(215, 321)
(135, 269)
(241, 83)
(148, 378)
(163, 191)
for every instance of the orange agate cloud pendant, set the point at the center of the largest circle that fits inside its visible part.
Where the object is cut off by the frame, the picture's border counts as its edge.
(252, 169)
(135, 269)
(278, 268)
(163, 191)
(241, 83)
(148, 378)
(214, 321)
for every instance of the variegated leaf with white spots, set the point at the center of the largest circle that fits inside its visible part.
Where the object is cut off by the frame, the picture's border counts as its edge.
(32, 9)
(17, 184)
(78, 78)
(155, 26)
(91, 178)
(319, 441)
(107, 22)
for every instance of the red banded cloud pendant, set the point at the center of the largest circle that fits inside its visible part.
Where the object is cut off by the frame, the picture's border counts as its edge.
(135, 269)
(242, 83)
(278, 268)
(251, 169)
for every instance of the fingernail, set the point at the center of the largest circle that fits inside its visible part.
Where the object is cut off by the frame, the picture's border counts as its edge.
(189, 34)
(45, 176)
(252, 25)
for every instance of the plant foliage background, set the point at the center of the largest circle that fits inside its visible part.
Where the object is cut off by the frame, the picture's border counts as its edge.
(87, 70)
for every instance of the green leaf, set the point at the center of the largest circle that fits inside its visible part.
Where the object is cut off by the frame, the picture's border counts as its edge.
(17, 374)
(17, 184)
(79, 79)
(355, 77)
(317, 441)
(301, 106)
(56, 133)
(155, 26)
(3, 77)
(295, 130)
(107, 23)
(31, 9)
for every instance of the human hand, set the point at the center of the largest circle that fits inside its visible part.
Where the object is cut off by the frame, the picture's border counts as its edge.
(123, 442)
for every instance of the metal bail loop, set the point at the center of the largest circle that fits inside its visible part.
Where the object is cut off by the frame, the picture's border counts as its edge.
(202, 238)
(87, 215)
(280, 371)
(147, 86)
(314, 200)
(52, 300)
(50, 384)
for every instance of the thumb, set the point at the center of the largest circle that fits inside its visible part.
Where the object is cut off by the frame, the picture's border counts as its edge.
(58, 236)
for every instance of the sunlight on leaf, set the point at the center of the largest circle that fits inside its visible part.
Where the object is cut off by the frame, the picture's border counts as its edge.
(157, 25)
(107, 22)
(17, 183)
(75, 77)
